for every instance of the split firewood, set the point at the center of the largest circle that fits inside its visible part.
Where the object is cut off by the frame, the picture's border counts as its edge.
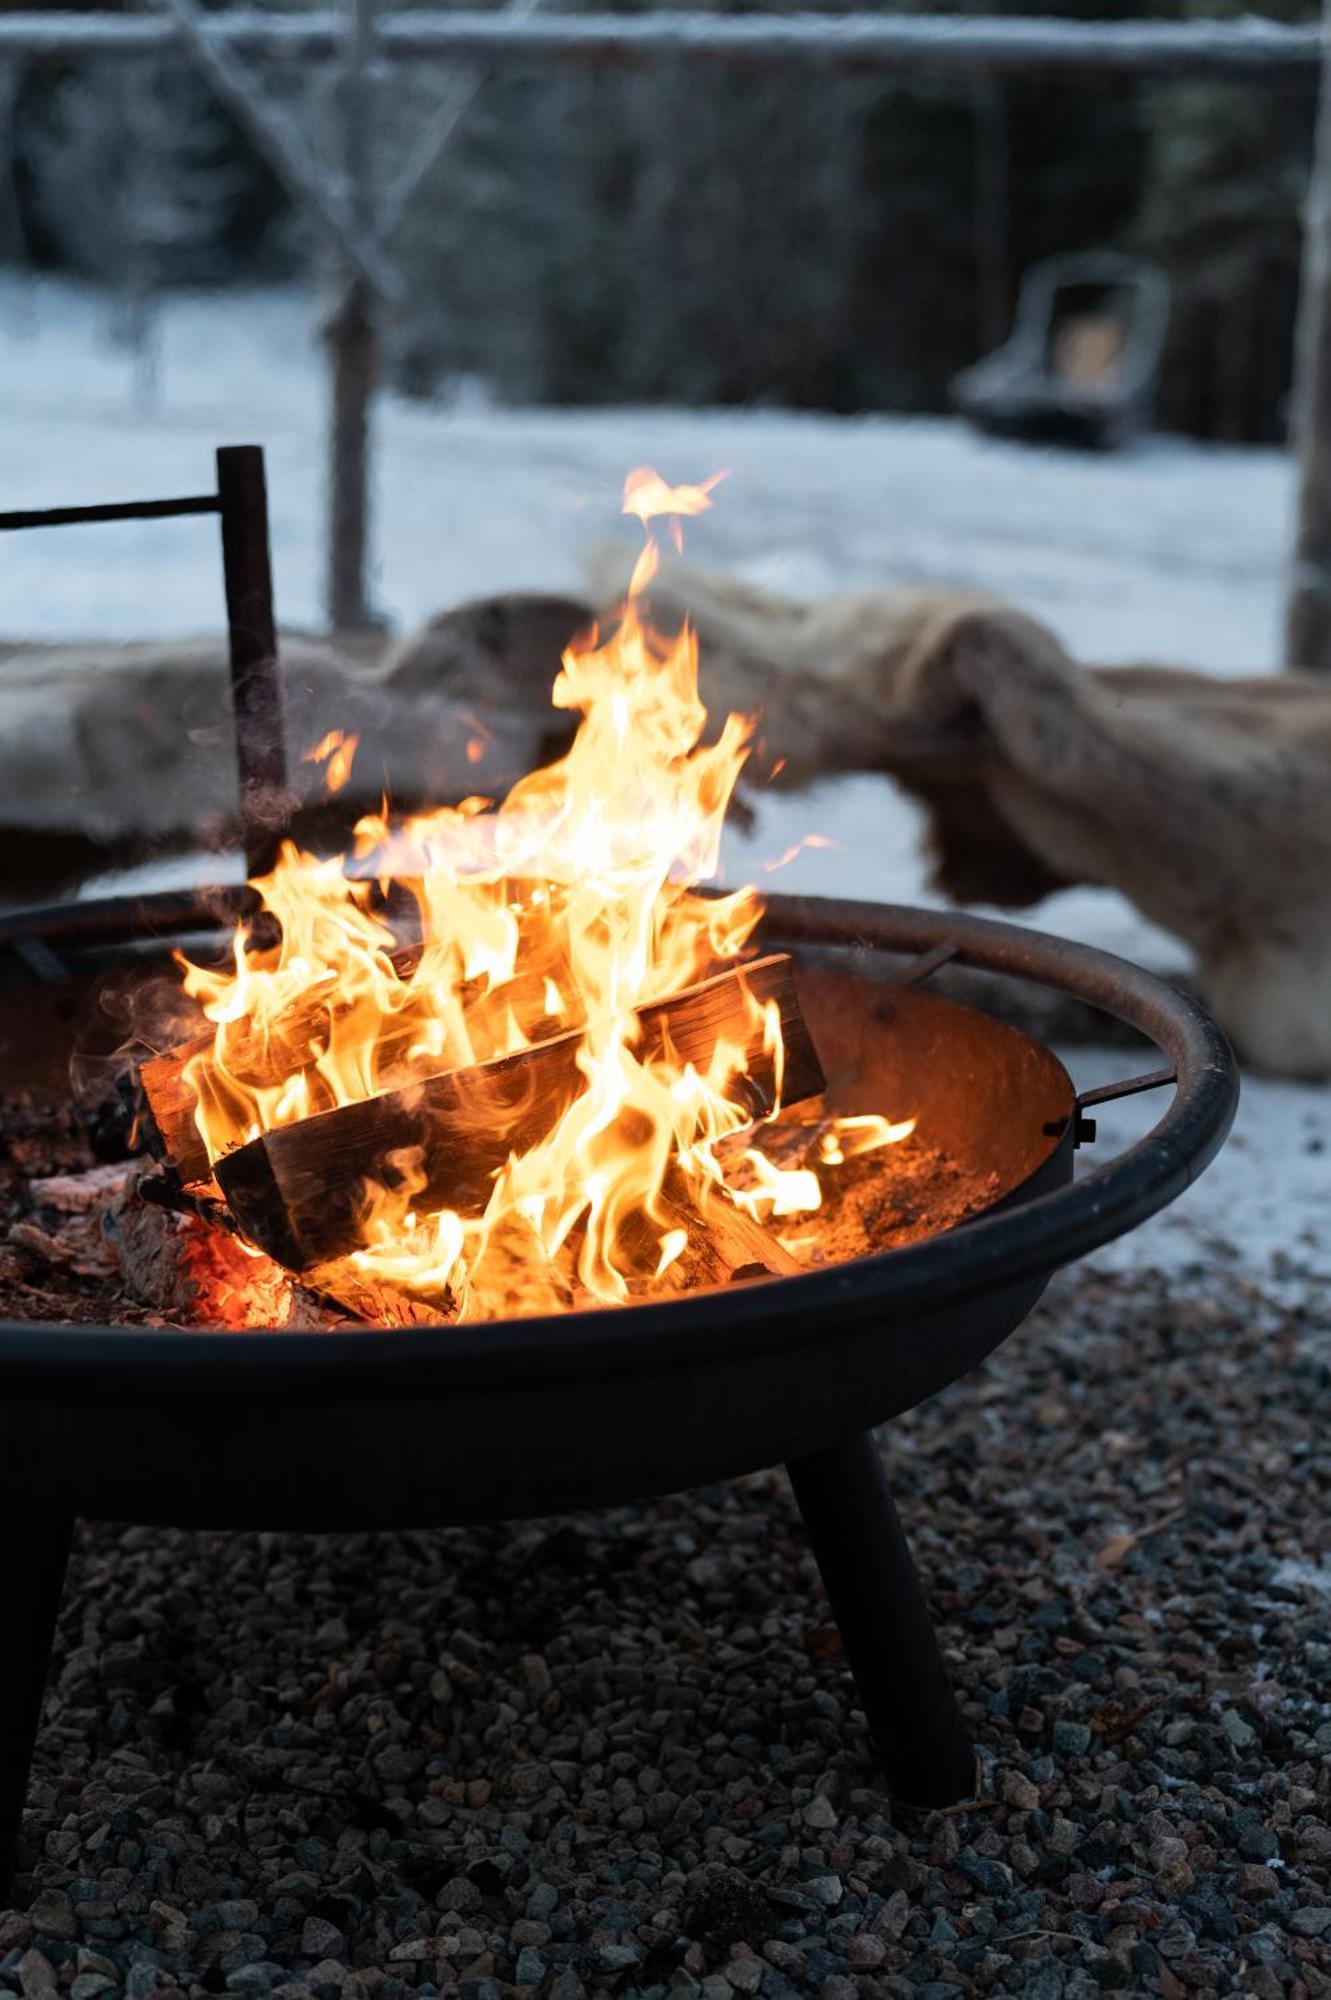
(723, 1244)
(178, 1251)
(299, 1193)
(742, 1247)
(196, 1275)
(292, 1044)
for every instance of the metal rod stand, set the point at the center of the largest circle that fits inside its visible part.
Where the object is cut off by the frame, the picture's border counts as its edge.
(256, 684)
(34, 1549)
(879, 1607)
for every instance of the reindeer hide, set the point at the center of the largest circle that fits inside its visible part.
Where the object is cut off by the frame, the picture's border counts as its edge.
(1205, 801)
(111, 753)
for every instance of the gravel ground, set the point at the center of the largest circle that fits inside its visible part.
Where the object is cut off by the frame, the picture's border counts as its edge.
(620, 1754)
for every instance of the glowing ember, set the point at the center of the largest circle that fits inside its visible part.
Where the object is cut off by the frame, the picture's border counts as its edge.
(336, 752)
(569, 906)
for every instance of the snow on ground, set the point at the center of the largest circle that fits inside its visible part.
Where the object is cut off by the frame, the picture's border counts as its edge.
(1173, 552)
(1261, 1207)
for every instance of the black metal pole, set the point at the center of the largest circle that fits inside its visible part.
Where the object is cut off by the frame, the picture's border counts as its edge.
(115, 510)
(884, 1622)
(256, 686)
(34, 1549)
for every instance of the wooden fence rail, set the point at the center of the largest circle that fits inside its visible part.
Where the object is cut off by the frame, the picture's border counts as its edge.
(1248, 47)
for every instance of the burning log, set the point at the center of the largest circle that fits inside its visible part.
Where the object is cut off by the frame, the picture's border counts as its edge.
(180, 1259)
(194, 1274)
(292, 1043)
(724, 1244)
(494, 1149)
(719, 1245)
(299, 1192)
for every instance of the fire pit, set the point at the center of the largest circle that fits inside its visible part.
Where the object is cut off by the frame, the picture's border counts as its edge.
(776, 1348)
(440, 1425)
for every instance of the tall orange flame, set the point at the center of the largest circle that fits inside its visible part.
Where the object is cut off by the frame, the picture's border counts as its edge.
(570, 905)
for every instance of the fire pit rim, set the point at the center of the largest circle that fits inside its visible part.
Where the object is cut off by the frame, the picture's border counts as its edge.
(1000, 1248)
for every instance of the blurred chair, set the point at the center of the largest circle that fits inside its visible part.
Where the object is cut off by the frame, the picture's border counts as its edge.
(1083, 359)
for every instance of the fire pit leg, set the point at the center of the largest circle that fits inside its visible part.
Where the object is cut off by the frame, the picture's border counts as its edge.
(884, 1622)
(33, 1551)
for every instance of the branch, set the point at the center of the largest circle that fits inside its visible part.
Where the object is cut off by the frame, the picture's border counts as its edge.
(283, 145)
(403, 191)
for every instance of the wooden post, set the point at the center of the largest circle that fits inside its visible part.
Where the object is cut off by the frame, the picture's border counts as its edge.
(352, 332)
(12, 243)
(990, 212)
(256, 687)
(353, 345)
(365, 275)
(1308, 618)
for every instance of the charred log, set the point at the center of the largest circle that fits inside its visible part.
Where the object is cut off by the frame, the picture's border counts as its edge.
(299, 1193)
(292, 1044)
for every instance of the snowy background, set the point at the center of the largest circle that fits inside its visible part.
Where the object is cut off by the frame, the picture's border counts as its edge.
(1174, 552)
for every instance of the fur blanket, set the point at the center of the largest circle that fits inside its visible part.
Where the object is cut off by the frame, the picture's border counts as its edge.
(1207, 802)
(115, 753)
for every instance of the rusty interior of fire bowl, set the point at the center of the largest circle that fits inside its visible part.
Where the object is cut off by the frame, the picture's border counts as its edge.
(991, 1105)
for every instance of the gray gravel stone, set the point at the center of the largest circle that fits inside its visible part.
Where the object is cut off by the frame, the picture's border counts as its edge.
(1240, 1733)
(543, 1900)
(619, 1754)
(36, 1975)
(320, 1939)
(744, 1972)
(52, 1915)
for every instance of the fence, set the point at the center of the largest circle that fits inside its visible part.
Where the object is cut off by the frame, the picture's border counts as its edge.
(363, 220)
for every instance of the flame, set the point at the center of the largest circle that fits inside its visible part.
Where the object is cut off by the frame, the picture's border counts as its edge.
(847, 1138)
(570, 905)
(336, 750)
(792, 853)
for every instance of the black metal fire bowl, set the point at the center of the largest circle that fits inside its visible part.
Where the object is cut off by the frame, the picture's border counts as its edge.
(425, 1427)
